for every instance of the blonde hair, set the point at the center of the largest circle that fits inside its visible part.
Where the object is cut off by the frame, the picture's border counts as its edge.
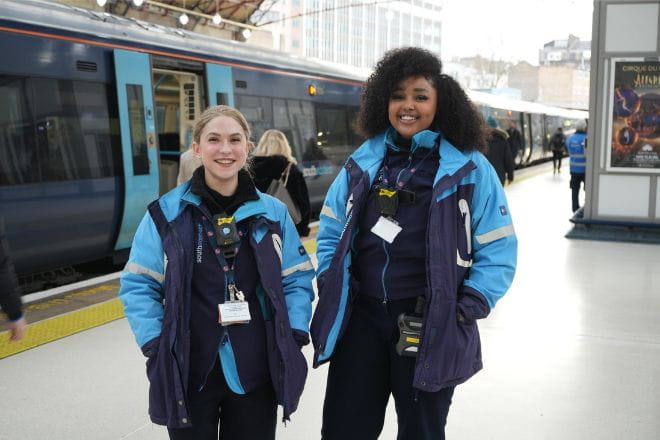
(274, 142)
(223, 110)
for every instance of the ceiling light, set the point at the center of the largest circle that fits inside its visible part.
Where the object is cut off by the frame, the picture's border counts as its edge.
(246, 33)
(101, 3)
(138, 3)
(217, 19)
(183, 19)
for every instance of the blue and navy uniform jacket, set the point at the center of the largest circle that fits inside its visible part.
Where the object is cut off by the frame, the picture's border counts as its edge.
(156, 293)
(576, 145)
(471, 251)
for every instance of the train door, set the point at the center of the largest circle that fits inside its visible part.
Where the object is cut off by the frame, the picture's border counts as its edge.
(138, 139)
(219, 85)
(178, 97)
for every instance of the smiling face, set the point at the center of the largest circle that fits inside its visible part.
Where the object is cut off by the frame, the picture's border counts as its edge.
(223, 148)
(412, 106)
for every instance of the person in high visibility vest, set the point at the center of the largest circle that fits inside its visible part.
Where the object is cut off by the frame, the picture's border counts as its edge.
(576, 145)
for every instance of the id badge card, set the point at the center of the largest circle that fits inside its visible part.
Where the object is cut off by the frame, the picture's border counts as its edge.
(234, 312)
(387, 229)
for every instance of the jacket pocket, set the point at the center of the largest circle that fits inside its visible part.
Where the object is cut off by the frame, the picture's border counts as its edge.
(158, 369)
(467, 357)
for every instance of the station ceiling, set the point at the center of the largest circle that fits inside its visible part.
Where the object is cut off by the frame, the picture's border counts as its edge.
(232, 10)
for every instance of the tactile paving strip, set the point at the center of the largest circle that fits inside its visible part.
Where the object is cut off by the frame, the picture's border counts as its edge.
(61, 326)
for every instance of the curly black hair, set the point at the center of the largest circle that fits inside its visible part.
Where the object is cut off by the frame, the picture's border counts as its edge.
(456, 117)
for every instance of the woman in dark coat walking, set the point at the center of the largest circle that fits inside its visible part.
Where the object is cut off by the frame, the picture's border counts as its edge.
(271, 158)
(499, 154)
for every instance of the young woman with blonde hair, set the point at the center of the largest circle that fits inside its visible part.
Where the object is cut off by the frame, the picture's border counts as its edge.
(218, 292)
(273, 159)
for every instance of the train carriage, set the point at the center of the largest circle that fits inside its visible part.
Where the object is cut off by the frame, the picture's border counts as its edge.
(96, 109)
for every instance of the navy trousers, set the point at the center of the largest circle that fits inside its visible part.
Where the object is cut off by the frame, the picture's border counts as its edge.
(365, 369)
(576, 180)
(241, 416)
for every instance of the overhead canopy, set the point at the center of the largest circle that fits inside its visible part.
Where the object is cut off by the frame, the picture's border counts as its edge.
(234, 10)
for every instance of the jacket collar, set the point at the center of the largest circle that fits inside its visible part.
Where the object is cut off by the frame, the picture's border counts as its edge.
(423, 139)
(247, 209)
(370, 155)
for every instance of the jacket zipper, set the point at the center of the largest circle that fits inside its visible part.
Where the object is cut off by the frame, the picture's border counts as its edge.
(382, 277)
(387, 255)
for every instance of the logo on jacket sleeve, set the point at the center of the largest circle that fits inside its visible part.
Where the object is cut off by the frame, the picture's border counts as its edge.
(301, 250)
(503, 210)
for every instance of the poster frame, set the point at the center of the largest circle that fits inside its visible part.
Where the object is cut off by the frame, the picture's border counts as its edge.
(610, 120)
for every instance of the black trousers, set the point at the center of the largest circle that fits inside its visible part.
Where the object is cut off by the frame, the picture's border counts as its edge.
(363, 372)
(241, 416)
(556, 159)
(576, 180)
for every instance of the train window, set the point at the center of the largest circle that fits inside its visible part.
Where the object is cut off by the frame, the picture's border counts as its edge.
(138, 129)
(18, 152)
(258, 111)
(222, 98)
(332, 136)
(537, 136)
(73, 130)
(302, 117)
(295, 119)
(355, 138)
(69, 133)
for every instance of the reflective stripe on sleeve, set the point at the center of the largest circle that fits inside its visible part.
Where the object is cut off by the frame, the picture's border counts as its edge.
(328, 212)
(495, 234)
(136, 269)
(307, 265)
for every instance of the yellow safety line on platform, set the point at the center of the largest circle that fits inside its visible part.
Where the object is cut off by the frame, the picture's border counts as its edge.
(49, 330)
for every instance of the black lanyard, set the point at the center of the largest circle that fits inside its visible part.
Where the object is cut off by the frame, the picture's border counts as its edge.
(226, 254)
(387, 197)
(406, 173)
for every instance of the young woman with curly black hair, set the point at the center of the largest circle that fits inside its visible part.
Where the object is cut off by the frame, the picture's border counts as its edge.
(415, 244)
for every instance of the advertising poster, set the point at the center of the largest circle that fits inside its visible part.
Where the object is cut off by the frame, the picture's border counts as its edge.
(636, 115)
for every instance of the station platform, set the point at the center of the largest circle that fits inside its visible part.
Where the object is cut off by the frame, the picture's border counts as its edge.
(572, 351)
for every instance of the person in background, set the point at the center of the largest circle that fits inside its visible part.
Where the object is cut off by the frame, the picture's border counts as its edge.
(272, 158)
(415, 227)
(499, 153)
(515, 140)
(188, 163)
(577, 145)
(558, 146)
(10, 296)
(218, 292)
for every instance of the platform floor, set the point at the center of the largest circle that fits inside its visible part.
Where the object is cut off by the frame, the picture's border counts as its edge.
(572, 352)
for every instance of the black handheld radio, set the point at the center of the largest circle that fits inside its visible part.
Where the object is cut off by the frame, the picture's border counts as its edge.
(410, 330)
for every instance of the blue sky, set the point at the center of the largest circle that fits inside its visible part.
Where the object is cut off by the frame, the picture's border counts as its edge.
(511, 29)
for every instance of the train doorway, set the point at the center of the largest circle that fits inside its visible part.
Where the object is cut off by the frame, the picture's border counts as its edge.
(178, 100)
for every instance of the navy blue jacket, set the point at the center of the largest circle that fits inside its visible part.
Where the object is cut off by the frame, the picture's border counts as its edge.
(156, 291)
(471, 257)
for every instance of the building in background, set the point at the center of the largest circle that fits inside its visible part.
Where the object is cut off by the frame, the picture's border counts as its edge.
(351, 32)
(562, 77)
(563, 86)
(570, 52)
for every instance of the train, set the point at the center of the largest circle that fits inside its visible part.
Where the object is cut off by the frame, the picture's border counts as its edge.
(95, 110)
